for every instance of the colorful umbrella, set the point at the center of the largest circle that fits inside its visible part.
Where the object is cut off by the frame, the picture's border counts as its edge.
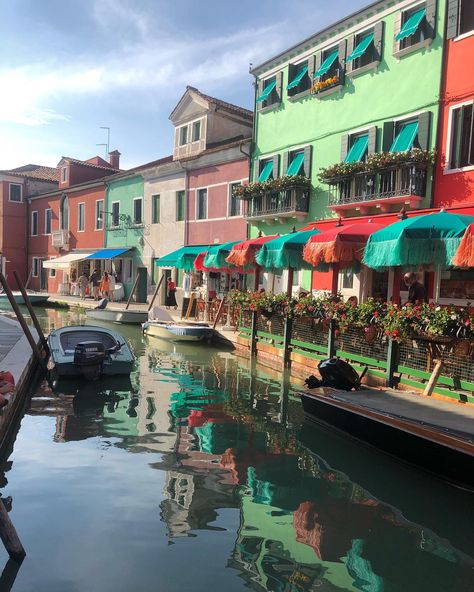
(285, 252)
(182, 258)
(464, 256)
(343, 244)
(243, 254)
(431, 239)
(215, 256)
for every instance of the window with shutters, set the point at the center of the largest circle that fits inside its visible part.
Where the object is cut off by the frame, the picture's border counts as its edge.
(15, 192)
(155, 199)
(81, 216)
(414, 27)
(34, 223)
(48, 216)
(268, 92)
(461, 149)
(99, 214)
(196, 131)
(35, 269)
(115, 214)
(201, 204)
(299, 79)
(183, 135)
(364, 52)
(180, 205)
(234, 202)
(138, 210)
(466, 17)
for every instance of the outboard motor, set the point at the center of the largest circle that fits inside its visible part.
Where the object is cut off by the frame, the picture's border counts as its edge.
(337, 374)
(89, 356)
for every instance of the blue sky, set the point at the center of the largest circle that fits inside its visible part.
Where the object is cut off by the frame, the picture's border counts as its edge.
(67, 68)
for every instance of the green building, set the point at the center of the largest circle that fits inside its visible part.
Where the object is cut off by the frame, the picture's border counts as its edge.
(368, 84)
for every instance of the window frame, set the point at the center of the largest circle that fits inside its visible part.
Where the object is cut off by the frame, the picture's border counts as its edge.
(198, 191)
(193, 127)
(63, 220)
(83, 210)
(231, 184)
(64, 174)
(112, 224)
(462, 35)
(10, 185)
(183, 128)
(304, 85)
(358, 67)
(335, 69)
(156, 198)
(274, 98)
(46, 211)
(97, 217)
(53, 270)
(355, 136)
(35, 261)
(450, 139)
(181, 192)
(33, 217)
(136, 222)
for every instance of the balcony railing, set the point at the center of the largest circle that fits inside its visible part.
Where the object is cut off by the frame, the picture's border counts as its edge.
(288, 203)
(401, 184)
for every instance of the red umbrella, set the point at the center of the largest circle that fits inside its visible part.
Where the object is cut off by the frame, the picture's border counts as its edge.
(343, 244)
(244, 253)
(464, 256)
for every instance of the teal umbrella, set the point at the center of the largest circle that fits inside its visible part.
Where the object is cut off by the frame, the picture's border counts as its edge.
(285, 252)
(215, 256)
(182, 258)
(431, 239)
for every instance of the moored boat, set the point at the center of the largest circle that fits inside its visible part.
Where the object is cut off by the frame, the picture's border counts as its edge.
(34, 298)
(179, 331)
(89, 352)
(136, 317)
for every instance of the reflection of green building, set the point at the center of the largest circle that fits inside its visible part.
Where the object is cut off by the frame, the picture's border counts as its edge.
(118, 422)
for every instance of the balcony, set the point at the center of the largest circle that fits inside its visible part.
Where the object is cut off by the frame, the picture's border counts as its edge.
(402, 184)
(288, 203)
(60, 239)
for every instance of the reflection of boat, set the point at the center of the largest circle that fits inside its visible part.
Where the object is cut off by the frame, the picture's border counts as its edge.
(136, 317)
(179, 331)
(34, 298)
(89, 352)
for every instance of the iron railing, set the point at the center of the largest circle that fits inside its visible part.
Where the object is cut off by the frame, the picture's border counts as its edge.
(274, 204)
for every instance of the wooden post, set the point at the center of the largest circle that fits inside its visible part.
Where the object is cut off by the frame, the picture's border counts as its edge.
(32, 313)
(21, 320)
(9, 573)
(9, 536)
(257, 278)
(253, 334)
(219, 313)
(433, 379)
(392, 363)
(133, 291)
(155, 294)
(287, 332)
(289, 285)
(190, 305)
(332, 339)
(335, 278)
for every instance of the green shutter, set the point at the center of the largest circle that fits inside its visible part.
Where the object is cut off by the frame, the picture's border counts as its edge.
(406, 137)
(412, 24)
(431, 18)
(358, 149)
(387, 138)
(453, 19)
(266, 92)
(326, 65)
(424, 121)
(266, 171)
(298, 78)
(378, 41)
(296, 164)
(156, 209)
(286, 156)
(361, 48)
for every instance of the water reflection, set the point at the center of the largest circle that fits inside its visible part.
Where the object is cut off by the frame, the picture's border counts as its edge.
(310, 509)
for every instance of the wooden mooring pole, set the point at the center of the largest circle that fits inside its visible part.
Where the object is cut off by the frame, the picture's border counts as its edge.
(155, 294)
(133, 291)
(9, 536)
(34, 318)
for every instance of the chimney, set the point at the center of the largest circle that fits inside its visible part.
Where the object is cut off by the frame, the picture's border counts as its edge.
(114, 159)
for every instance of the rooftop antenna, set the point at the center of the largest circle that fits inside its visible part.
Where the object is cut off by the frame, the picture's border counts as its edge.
(104, 127)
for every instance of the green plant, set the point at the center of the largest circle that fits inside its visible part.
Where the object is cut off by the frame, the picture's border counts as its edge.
(279, 184)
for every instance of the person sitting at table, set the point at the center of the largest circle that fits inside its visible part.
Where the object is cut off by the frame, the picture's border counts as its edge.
(416, 290)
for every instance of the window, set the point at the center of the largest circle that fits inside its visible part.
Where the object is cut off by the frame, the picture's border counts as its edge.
(81, 215)
(52, 271)
(406, 133)
(201, 207)
(457, 284)
(183, 135)
(180, 205)
(269, 91)
(196, 131)
(296, 160)
(461, 152)
(128, 270)
(99, 214)
(298, 77)
(137, 210)
(34, 223)
(63, 174)
(234, 202)
(414, 27)
(36, 267)
(115, 213)
(15, 192)
(358, 148)
(48, 217)
(156, 208)
(266, 170)
(64, 212)
(364, 50)
(329, 68)
(466, 16)
(347, 279)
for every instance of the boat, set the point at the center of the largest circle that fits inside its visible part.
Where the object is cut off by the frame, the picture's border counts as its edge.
(88, 351)
(34, 298)
(176, 331)
(135, 317)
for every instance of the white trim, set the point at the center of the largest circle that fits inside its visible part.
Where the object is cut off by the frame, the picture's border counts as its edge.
(20, 185)
(45, 220)
(135, 199)
(196, 200)
(212, 186)
(112, 214)
(153, 208)
(83, 229)
(463, 36)
(37, 223)
(447, 170)
(408, 116)
(96, 217)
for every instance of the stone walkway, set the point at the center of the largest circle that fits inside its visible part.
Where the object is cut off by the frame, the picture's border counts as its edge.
(10, 335)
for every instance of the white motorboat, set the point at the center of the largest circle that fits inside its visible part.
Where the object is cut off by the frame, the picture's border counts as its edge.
(34, 298)
(136, 317)
(184, 331)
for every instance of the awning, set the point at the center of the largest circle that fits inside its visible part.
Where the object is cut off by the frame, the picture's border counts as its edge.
(406, 137)
(296, 164)
(298, 78)
(285, 252)
(65, 261)
(108, 253)
(244, 253)
(358, 149)
(326, 65)
(266, 171)
(411, 25)
(182, 258)
(361, 48)
(266, 92)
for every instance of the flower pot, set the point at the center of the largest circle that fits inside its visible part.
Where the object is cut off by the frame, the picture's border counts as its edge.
(370, 333)
(462, 347)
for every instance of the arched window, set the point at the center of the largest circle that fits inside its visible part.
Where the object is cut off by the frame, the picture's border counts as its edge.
(64, 212)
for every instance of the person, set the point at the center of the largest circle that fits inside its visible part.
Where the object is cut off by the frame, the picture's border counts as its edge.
(353, 301)
(83, 283)
(95, 281)
(105, 285)
(112, 286)
(171, 294)
(416, 290)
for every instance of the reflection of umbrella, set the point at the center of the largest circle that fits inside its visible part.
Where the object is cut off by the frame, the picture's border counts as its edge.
(431, 239)
(244, 253)
(285, 252)
(464, 256)
(342, 244)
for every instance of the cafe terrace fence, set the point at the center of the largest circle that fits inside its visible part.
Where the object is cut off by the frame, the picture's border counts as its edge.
(408, 363)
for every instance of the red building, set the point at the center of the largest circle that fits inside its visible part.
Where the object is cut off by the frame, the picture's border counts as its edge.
(68, 224)
(16, 187)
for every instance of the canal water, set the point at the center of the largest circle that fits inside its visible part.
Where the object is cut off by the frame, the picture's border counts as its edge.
(200, 473)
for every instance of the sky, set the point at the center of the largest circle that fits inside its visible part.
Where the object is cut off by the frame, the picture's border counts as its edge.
(69, 67)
